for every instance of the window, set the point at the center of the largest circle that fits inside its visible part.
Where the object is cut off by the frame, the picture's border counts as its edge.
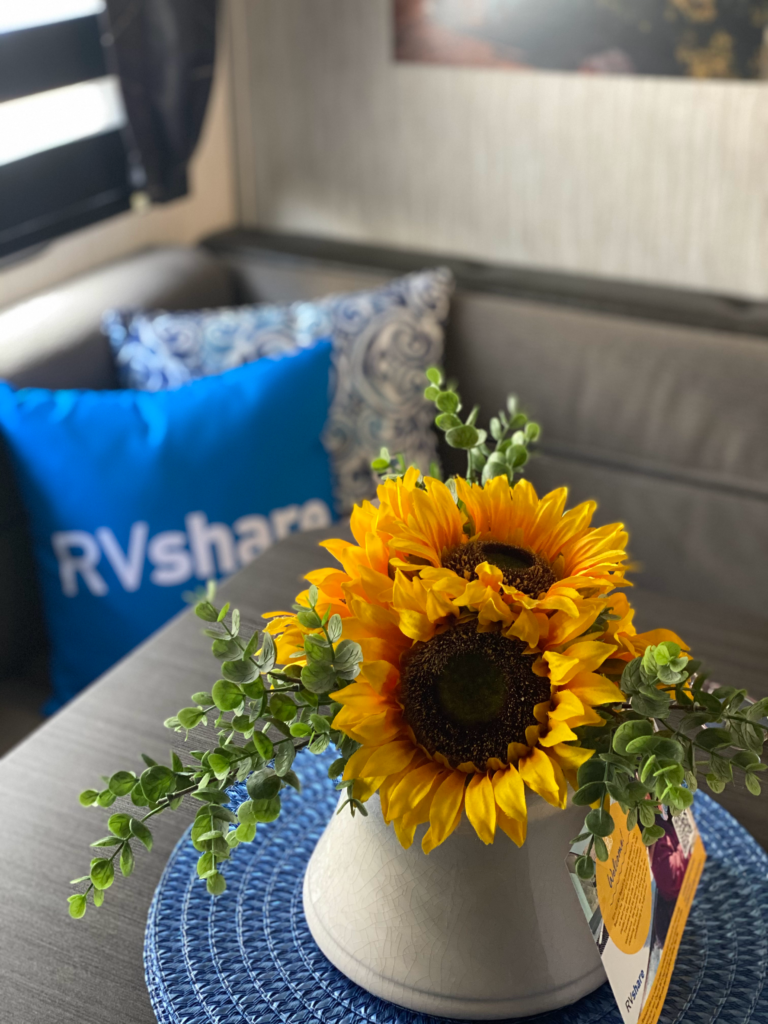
(62, 156)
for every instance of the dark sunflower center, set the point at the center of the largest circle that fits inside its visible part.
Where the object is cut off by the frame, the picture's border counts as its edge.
(468, 695)
(528, 572)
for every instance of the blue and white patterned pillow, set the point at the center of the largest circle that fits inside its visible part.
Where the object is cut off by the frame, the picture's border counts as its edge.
(383, 341)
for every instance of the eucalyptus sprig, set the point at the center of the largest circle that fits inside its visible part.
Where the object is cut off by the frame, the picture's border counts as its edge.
(262, 717)
(511, 431)
(652, 749)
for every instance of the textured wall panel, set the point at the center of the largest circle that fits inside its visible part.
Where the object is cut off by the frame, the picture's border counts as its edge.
(652, 179)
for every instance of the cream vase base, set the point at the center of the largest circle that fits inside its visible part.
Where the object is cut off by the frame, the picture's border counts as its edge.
(471, 931)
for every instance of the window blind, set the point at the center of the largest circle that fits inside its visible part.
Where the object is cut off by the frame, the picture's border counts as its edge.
(62, 155)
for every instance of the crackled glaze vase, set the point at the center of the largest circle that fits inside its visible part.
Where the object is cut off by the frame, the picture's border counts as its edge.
(470, 931)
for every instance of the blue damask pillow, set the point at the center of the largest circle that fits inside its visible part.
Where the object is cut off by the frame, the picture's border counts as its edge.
(383, 341)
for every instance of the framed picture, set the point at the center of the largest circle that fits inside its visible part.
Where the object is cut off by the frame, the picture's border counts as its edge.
(689, 38)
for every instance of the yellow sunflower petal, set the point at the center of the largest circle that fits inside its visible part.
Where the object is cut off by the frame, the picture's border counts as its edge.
(445, 812)
(480, 806)
(412, 789)
(544, 776)
(512, 827)
(509, 792)
(389, 758)
(595, 689)
(559, 732)
(405, 830)
(363, 789)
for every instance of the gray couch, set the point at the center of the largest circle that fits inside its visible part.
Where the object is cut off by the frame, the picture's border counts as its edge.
(652, 401)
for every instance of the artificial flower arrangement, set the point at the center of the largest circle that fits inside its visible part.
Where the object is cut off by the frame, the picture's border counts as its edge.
(474, 647)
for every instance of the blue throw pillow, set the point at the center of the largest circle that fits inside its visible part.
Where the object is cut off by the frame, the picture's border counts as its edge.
(134, 498)
(383, 341)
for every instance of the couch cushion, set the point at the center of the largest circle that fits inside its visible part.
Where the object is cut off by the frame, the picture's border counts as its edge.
(666, 426)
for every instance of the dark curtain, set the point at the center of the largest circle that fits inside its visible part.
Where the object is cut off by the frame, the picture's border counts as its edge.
(163, 53)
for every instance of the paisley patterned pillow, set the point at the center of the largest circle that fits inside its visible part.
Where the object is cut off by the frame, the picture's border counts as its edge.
(383, 341)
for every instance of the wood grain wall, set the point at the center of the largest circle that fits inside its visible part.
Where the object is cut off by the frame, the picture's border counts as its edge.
(649, 179)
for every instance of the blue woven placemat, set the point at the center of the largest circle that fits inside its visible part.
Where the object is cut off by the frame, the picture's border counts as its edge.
(247, 956)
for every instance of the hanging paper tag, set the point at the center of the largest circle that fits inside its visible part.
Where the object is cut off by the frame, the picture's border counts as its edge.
(637, 904)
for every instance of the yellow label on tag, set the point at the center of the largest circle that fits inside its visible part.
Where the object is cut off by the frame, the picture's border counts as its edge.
(636, 905)
(624, 886)
(655, 1001)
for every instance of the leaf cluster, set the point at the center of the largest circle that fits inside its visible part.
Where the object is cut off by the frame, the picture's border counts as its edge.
(502, 450)
(261, 716)
(653, 748)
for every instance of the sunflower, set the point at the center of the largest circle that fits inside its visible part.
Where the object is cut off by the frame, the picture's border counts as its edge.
(490, 631)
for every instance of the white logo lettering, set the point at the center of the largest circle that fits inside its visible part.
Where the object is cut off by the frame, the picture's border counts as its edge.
(85, 563)
(212, 548)
(127, 569)
(314, 514)
(204, 537)
(167, 551)
(283, 519)
(254, 536)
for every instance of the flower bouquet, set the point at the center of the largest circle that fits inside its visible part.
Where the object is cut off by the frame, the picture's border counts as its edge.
(471, 659)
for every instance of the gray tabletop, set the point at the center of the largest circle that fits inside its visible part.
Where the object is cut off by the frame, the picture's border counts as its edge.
(54, 970)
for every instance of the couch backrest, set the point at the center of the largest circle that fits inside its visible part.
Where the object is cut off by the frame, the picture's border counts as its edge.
(54, 340)
(652, 401)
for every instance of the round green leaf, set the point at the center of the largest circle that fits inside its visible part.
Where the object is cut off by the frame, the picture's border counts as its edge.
(102, 873)
(285, 752)
(120, 825)
(205, 610)
(77, 905)
(447, 401)
(246, 833)
(588, 794)
(310, 619)
(266, 810)
(264, 746)
(206, 864)
(263, 785)
(463, 437)
(652, 833)
(122, 782)
(661, 746)
(592, 770)
(585, 867)
(156, 782)
(219, 765)
(226, 694)
(127, 860)
(88, 797)
(190, 717)
(242, 670)
(601, 849)
(447, 421)
(629, 731)
(752, 783)
(300, 729)
(599, 823)
(216, 883)
(434, 376)
(142, 833)
(245, 813)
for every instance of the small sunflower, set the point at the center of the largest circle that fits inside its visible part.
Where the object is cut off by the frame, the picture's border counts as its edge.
(489, 630)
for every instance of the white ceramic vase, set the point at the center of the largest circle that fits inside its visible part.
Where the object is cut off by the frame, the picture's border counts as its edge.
(470, 931)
